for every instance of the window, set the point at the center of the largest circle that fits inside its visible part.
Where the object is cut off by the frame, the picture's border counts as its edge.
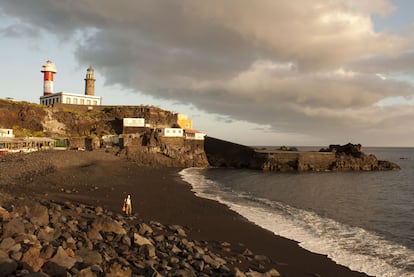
(95, 102)
(82, 101)
(67, 100)
(75, 101)
(88, 102)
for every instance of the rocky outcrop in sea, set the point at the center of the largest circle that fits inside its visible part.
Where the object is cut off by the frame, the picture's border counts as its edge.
(348, 157)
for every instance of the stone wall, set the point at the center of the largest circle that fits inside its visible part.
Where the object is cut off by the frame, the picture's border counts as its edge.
(296, 161)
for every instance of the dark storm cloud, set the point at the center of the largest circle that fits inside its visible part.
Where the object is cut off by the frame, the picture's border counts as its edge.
(300, 68)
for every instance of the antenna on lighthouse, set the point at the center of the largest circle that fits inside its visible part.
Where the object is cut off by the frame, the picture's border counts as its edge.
(48, 70)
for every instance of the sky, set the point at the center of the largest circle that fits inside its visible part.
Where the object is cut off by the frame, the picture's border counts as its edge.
(263, 72)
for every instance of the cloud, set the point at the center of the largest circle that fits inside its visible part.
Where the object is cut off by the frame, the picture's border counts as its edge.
(309, 67)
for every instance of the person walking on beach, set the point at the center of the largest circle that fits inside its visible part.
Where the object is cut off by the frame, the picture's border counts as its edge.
(127, 205)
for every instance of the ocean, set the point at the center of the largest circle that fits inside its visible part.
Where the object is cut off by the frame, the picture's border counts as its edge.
(362, 220)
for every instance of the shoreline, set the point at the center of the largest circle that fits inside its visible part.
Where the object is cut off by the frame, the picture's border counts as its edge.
(159, 194)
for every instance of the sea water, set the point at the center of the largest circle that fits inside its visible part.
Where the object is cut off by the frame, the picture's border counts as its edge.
(362, 220)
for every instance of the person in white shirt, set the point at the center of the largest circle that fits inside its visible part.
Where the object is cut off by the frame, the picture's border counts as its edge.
(128, 205)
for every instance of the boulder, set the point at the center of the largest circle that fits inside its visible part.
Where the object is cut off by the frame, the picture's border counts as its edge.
(38, 214)
(4, 214)
(144, 229)
(148, 250)
(6, 244)
(89, 257)
(13, 227)
(140, 240)
(108, 225)
(117, 270)
(31, 259)
(62, 259)
(54, 270)
(94, 235)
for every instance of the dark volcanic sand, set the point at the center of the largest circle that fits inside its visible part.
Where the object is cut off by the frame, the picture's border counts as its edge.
(99, 178)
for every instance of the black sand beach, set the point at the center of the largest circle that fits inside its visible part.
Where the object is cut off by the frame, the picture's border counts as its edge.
(103, 179)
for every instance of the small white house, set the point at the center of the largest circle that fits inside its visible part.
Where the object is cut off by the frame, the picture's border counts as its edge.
(193, 134)
(6, 133)
(172, 132)
(134, 122)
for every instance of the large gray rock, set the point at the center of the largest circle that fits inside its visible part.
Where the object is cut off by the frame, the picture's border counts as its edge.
(108, 225)
(147, 250)
(54, 270)
(13, 227)
(62, 259)
(7, 243)
(38, 214)
(94, 235)
(214, 262)
(89, 257)
(46, 234)
(140, 240)
(31, 259)
(47, 252)
(178, 229)
(4, 214)
(117, 270)
(145, 229)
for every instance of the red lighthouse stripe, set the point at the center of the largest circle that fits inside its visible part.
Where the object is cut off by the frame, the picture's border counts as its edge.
(48, 76)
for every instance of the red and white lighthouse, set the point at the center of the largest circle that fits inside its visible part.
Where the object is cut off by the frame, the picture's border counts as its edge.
(48, 70)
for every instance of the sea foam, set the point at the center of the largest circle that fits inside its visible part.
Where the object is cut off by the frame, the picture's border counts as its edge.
(354, 247)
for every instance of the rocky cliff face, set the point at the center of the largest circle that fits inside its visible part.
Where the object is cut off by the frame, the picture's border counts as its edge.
(152, 149)
(24, 118)
(81, 124)
(27, 119)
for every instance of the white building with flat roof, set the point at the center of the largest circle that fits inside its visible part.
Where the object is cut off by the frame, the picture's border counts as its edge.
(194, 134)
(172, 132)
(6, 133)
(71, 98)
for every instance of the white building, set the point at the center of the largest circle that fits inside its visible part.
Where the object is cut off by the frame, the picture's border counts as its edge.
(134, 122)
(195, 135)
(172, 132)
(71, 98)
(6, 133)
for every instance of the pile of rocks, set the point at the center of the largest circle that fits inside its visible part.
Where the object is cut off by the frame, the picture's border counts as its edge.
(42, 238)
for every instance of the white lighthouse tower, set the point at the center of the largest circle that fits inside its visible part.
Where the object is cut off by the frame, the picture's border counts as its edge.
(48, 70)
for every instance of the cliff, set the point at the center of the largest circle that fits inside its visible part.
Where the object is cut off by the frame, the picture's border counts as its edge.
(152, 149)
(84, 127)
